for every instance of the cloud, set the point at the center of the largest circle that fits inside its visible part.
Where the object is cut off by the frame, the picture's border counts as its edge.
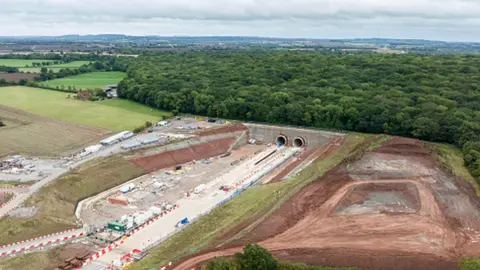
(439, 19)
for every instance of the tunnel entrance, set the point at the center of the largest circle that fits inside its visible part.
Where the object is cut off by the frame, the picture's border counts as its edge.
(299, 142)
(281, 140)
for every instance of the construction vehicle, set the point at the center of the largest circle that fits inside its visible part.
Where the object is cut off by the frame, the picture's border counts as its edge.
(225, 188)
(182, 222)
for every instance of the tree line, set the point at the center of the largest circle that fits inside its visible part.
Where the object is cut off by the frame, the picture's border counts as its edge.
(430, 97)
(6, 69)
(101, 64)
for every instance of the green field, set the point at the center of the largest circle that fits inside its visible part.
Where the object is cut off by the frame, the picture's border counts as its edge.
(56, 105)
(88, 80)
(37, 69)
(133, 107)
(19, 63)
(56, 68)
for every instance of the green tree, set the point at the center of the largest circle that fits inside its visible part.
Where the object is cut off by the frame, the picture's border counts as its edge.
(222, 264)
(255, 257)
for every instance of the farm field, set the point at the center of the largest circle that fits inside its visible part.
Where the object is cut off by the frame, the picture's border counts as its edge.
(391, 208)
(88, 80)
(56, 202)
(56, 68)
(56, 105)
(16, 77)
(31, 134)
(20, 63)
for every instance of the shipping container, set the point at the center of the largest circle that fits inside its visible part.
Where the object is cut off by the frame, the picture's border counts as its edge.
(117, 226)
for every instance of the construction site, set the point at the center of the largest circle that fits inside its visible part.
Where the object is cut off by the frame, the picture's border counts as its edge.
(394, 207)
(391, 203)
(189, 178)
(193, 166)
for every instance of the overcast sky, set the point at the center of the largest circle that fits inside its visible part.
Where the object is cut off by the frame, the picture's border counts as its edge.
(452, 20)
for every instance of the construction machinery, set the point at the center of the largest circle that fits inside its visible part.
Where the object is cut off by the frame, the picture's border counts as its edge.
(182, 222)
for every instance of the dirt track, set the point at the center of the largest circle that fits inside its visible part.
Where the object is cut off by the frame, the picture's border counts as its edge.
(434, 234)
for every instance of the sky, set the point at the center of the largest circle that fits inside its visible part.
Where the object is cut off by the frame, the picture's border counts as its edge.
(449, 20)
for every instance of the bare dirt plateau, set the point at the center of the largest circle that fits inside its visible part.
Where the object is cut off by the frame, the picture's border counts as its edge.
(395, 208)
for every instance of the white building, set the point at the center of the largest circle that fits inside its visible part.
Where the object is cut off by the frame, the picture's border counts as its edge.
(117, 138)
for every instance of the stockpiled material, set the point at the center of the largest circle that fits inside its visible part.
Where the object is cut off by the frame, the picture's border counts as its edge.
(222, 130)
(184, 155)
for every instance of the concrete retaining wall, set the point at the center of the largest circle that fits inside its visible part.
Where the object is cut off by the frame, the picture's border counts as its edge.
(269, 134)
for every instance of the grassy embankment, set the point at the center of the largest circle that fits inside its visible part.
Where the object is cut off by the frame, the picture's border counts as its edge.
(90, 80)
(56, 201)
(470, 264)
(451, 159)
(56, 105)
(255, 201)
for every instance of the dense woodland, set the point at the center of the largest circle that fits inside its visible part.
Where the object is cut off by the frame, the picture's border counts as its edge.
(430, 97)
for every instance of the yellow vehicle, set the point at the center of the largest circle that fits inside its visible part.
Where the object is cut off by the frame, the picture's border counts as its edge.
(127, 266)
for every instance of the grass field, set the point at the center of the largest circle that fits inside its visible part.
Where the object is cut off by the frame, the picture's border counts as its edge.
(56, 201)
(56, 68)
(19, 63)
(88, 80)
(133, 106)
(257, 200)
(30, 134)
(56, 105)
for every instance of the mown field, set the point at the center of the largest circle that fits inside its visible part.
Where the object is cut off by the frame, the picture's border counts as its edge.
(55, 68)
(133, 106)
(30, 134)
(56, 202)
(20, 63)
(58, 106)
(88, 80)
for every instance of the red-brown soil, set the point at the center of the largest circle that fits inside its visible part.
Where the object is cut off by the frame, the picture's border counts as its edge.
(284, 171)
(309, 155)
(396, 197)
(16, 77)
(444, 226)
(180, 156)
(222, 130)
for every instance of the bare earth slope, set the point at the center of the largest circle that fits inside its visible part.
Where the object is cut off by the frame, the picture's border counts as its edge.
(31, 134)
(395, 208)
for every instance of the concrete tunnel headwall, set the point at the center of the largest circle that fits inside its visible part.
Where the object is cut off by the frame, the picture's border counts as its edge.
(290, 136)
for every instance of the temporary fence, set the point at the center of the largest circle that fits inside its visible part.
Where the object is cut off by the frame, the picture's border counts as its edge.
(116, 244)
(9, 200)
(240, 187)
(14, 187)
(255, 177)
(41, 244)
